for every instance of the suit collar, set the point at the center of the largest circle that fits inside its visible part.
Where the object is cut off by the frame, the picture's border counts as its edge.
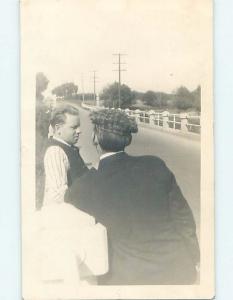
(112, 159)
(105, 155)
(60, 141)
(63, 144)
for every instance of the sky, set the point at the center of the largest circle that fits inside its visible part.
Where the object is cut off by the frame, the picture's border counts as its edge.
(166, 41)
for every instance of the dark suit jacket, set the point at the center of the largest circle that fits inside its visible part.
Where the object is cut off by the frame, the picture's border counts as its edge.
(151, 229)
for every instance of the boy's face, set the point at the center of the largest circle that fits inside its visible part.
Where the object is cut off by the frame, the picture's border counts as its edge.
(70, 130)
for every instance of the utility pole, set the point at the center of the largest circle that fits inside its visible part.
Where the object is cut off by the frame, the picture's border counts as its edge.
(119, 70)
(94, 84)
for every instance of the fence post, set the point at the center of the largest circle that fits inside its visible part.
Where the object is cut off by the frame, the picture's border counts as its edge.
(165, 115)
(151, 114)
(137, 115)
(151, 119)
(127, 111)
(184, 122)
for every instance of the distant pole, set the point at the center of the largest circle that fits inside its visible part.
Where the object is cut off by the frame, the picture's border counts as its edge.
(97, 100)
(119, 76)
(94, 85)
(119, 82)
(83, 97)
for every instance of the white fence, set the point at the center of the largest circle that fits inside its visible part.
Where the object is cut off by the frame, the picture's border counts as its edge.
(179, 122)
(183, 122)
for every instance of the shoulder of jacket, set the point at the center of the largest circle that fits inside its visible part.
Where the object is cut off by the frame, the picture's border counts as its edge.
(86, 180)
(150, 159)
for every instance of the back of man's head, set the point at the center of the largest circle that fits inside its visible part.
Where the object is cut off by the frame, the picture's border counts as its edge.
(113, 129)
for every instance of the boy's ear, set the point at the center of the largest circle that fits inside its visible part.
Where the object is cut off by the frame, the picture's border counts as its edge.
(57, 127)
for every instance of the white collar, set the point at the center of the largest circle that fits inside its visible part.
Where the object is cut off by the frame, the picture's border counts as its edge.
(109, 154)
(61, 141)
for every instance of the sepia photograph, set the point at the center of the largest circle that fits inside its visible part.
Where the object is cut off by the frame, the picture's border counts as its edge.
(117, 162)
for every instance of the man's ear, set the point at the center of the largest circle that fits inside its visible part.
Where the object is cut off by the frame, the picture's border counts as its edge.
(94, 139)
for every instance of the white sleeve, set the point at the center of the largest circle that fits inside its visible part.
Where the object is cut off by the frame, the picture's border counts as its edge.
(56, 165)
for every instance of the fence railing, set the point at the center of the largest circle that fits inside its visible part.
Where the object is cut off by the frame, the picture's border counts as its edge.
(183, 122)
(177, 122)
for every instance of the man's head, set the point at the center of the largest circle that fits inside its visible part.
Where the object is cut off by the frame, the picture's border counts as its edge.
(66, 123)
(113, 129)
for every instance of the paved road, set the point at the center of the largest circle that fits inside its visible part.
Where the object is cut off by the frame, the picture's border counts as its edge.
(181, 154)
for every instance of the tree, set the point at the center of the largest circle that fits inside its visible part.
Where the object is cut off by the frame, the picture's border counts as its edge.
(182, 91)
(41, 85)
(66, 90)
(42, 126)
(138, 95)
(156, 99)
(42, 110)
(111, 99)
(183, 98)
(197, 98)
(42, 114)
(150, 98)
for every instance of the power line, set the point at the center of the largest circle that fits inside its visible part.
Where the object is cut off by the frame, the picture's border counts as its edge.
(119, 70)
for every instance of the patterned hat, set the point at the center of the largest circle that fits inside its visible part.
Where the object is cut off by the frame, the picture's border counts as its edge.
(113, 120)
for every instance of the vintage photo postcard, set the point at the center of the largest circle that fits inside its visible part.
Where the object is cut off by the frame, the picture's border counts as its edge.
(117, 149)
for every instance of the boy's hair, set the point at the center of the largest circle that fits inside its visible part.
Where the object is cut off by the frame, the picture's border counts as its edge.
(59, 114)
